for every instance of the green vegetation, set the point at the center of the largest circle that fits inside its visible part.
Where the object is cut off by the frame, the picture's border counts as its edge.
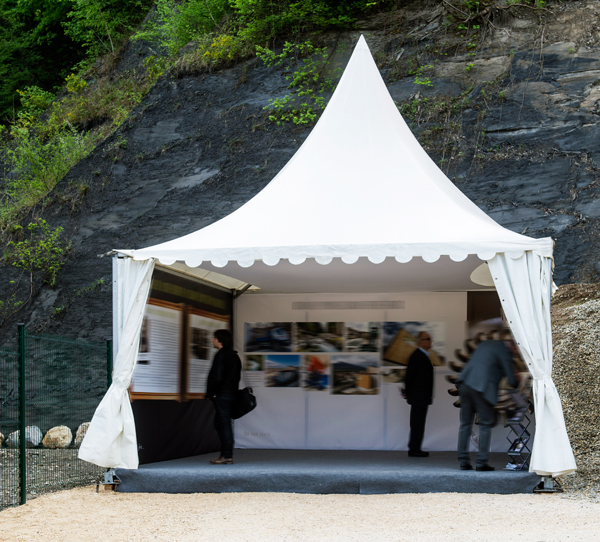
(304, 66)
(175, 24)
(223, 31)
(101, 26)
(41, 40)
(42, 254)
(37, 165)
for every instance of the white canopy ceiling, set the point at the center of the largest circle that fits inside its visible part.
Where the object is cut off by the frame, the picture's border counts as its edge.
(359, 188)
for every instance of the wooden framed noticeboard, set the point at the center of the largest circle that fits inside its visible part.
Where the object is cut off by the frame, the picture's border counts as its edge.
(176, 351)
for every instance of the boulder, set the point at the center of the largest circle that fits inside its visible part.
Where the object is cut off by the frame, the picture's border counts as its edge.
(33, 437)
(58, 437)
(81, 431)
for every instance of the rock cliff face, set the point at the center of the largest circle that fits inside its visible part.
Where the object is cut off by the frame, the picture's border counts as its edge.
(515, 125)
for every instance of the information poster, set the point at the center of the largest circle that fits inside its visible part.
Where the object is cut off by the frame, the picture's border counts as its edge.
(176, 350)
(157, 369)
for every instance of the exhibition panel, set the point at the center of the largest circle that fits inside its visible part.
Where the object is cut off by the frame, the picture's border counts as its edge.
(336, 389)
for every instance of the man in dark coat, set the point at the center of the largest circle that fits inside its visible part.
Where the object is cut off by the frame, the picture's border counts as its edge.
(221, 389)
(418, 385)
(478, 388)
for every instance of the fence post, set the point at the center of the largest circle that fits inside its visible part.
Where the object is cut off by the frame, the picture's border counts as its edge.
(109, 362)
(22, 452)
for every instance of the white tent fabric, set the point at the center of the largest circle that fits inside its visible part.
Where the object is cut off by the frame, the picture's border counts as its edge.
(361, 189)
(360, 186)
(111, 439)
(526, 305)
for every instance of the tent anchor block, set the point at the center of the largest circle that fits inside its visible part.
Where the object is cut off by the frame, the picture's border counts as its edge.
(548, 485)
(110, 483)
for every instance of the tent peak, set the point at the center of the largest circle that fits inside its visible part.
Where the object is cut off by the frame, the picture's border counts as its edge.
(362, 43)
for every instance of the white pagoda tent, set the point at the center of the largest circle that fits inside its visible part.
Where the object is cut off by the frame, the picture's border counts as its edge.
(362, 208)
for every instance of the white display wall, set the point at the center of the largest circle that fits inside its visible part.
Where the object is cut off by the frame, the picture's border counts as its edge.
(300, 418)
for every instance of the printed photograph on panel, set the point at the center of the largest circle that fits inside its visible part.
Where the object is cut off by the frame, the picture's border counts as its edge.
(201, 343)
(362, 337)
(268, 337)
(145, 336)
(355, 374)
(254, 363)
(319, 336)
(315, 372)
(399, 341)
(201, 350)
(392, 375)
(282, 371)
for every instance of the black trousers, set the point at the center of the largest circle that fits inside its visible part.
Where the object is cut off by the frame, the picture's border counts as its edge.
(418, 416)
(224, 424)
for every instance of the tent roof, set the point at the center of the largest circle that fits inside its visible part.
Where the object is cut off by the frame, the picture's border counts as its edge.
(359, 188)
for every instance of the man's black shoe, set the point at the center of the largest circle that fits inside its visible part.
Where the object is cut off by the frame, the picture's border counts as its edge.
(485, 468)
(466, 466)
(418, 453)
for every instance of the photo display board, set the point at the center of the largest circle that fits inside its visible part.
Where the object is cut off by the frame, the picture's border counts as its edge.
(339, 358)
(328, 369)
(176, 348)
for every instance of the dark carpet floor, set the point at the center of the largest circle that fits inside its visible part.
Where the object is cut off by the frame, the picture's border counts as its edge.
(324, 471)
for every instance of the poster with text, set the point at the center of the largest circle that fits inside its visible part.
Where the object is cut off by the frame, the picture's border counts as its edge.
(175, 349)
(157, 368)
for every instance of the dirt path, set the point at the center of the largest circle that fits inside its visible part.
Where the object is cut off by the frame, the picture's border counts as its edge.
(83, 515)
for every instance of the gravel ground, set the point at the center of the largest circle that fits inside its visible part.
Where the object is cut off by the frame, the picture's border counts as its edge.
(83, 514)
(47, 470)
(576, 336)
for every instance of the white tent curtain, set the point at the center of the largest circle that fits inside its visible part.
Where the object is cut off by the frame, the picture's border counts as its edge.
(524, 284)
(111, 439)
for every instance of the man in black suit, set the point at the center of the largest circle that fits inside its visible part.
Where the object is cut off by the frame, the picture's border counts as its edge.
(478, 388)
(418, 384)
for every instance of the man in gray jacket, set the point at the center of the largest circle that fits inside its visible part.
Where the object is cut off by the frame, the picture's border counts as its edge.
(478, 387)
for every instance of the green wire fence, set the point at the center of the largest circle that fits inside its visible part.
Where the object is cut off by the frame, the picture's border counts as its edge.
(49, 389)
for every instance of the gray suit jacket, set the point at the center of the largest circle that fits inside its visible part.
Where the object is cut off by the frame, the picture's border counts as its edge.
(489, 363)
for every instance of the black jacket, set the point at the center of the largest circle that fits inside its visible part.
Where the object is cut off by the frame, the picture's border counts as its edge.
(418, 381)
(224, 375)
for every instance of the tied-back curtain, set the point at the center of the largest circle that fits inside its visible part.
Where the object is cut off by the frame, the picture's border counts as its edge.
(111, 439)
(524, 284)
